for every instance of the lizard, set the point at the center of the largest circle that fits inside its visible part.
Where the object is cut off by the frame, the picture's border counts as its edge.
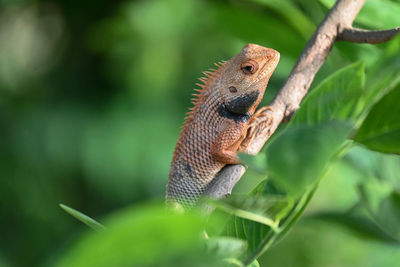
(221, 122)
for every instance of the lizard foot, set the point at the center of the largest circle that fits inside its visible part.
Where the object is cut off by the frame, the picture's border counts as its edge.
(257, 124)
(226, 157)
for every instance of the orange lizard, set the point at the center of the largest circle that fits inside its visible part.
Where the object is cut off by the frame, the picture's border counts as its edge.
(221, 122)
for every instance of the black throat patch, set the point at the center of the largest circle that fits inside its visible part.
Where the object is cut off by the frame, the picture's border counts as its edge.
(225, 113)
(242, 104)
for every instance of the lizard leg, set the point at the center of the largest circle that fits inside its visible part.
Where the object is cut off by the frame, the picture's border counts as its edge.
(226, 146)
(259, 121)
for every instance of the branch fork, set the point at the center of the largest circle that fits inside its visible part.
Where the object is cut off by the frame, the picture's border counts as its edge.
(335, 27)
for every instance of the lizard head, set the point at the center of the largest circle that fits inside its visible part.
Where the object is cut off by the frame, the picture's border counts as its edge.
(245, 77)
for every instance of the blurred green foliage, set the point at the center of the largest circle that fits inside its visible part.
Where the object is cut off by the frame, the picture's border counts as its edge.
(129, 240)
(92, 95)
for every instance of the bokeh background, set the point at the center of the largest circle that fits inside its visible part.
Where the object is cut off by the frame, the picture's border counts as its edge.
(93, 94)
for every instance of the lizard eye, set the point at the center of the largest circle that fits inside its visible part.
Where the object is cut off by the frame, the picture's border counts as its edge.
(249, 67)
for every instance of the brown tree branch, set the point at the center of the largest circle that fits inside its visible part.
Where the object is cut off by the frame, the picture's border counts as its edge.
(355, 35)
(335, 26)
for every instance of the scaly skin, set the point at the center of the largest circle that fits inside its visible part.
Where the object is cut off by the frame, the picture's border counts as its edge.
(220, 123)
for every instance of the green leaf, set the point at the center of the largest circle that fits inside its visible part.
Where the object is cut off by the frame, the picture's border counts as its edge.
(232, 262)
(383, 77)
(253, 217)
(297, 158)
(83, 218)
(144, 236)
(336, 97)
(374, 165)
(254, 264)
(380, 131)
(226, 247)
(383, 204)
(264, 209)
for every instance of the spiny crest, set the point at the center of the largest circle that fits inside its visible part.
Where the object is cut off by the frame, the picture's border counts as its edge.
(205, 84)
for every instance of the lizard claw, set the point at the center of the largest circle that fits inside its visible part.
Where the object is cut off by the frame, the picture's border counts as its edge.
(257, 124)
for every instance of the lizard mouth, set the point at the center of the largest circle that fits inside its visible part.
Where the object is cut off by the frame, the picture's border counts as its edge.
(242, 104)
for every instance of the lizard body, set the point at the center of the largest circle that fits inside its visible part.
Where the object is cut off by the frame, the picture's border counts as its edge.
(220, 122)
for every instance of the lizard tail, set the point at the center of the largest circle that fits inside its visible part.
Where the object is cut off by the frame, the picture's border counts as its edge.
(184, 191)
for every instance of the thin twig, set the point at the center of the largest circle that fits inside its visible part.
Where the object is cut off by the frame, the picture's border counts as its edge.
(335, 26)
(355, 35)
